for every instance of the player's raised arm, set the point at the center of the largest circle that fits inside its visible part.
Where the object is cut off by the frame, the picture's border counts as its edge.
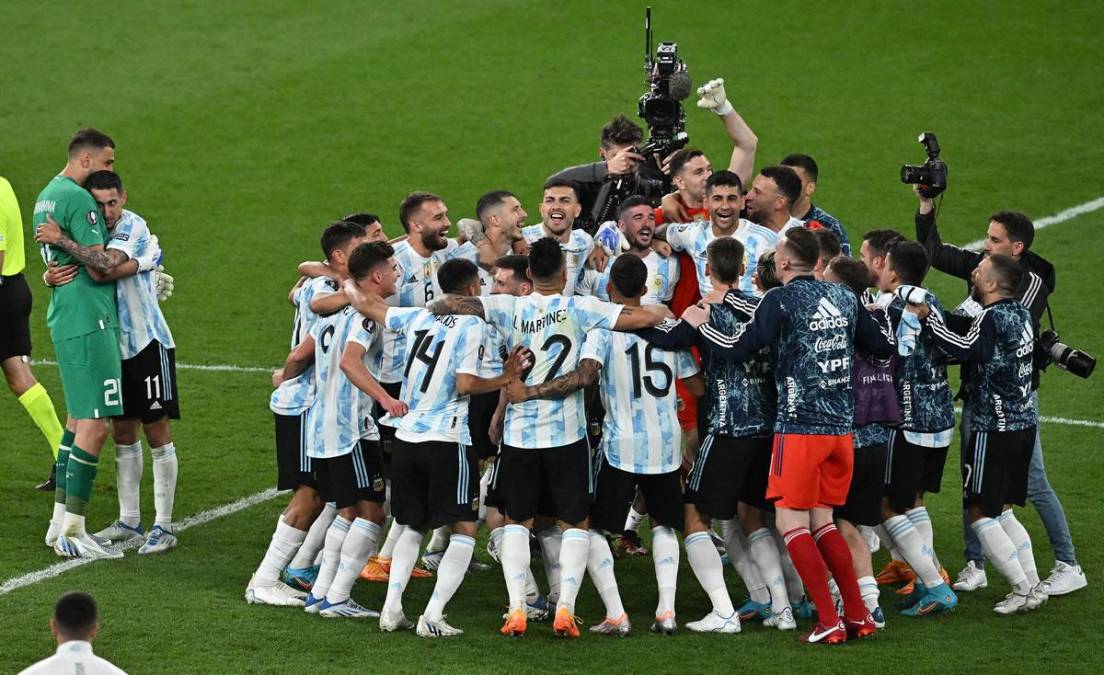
(744, 141)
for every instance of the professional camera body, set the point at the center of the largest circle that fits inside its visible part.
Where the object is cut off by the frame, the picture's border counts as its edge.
(1051, 350)
(668, 83)
(932, 174)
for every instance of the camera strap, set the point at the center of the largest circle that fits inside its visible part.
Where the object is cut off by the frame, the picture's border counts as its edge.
(1050, 318)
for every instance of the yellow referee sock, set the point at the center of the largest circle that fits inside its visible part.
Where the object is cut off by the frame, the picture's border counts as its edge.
(41, 409)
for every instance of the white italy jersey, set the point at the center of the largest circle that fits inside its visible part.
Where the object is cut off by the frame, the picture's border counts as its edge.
(342, 414)
(757, 240)
(663, 274)
(140, 317)
(576, 251)
(417, 287)
(296, 395)
(438, 347)
(553, 327)
(641, 432)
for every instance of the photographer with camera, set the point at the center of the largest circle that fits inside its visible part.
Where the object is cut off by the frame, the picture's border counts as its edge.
(1009, 234)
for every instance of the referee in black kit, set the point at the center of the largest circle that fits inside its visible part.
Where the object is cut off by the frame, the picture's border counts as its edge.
(15, 326)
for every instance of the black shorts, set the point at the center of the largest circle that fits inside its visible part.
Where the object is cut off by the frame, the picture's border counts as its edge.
(293, 466)
(864, 497)
(351, 478)
(494, 498)
(716, 480)
(394, 389)
(994, 469)
(754, 492)
(481, 408)
(15, 317)
(911, 469)
(617, 489)
(149, 384)
(433, 483)
(555, 482)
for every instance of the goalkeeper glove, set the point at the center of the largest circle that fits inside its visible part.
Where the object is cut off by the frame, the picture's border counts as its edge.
(163, 283)
(713, 97)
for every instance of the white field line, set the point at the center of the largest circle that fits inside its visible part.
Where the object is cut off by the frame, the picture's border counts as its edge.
(189, 522)
(1060, 217)
(218, 367)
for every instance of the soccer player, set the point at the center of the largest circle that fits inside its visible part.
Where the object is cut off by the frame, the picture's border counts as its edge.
(640, 448)
(918, 447)
(15, 329)
(149, 389)
(434, 465)
(829, 249)
(816, 326)
(559, 208)
(344, 442)
(997, 350)
(75, 625)
(804, 209)
(636, 220)
(545, 459)
(301, 530)
(84, 325)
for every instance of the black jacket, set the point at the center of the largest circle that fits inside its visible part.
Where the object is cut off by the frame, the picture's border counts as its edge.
(600, 194)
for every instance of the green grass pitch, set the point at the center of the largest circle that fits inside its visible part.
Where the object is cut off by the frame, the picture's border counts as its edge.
(245, 127)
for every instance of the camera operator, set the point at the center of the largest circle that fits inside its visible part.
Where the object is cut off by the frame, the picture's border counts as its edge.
(1009, 234)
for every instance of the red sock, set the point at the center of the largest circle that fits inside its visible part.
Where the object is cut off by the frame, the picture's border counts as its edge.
(834, 549)
(810, 567)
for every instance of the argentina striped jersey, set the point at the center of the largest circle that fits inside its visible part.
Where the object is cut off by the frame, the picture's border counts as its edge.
(296, 395)
(663, 274)
(576, 251)
(140, 317)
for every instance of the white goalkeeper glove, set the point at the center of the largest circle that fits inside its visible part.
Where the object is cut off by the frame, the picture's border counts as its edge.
(611, 238)
(470, 229)
(164, 284)
(713, 97)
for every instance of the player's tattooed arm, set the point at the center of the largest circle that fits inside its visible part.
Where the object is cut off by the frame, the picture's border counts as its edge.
(458, 304)
(634, 318)
(519, 361)
(97, 260)
(585, 375)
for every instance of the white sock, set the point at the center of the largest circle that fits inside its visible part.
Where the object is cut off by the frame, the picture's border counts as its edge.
(737, 547)
(484, 485)
(402, 564)
(316, 538)
(665, 557)
(764, 552)
(1022, 541)
(600, 567)
(496, 540)
(999, 549)
(908, 541)
(514, 554)
(453, 567)
(706, 563)
(440, 539)
(921, 520)
(795, 588)
(285, 541)
(868, 587)
(574, 553)
(551, 540)
(532, 590)
(392, 539)
(633, 521)
(354, 553)
(164, 483)
(72, 525)
(331, 555)
(887, 542)
(58, 516)
(128, 478)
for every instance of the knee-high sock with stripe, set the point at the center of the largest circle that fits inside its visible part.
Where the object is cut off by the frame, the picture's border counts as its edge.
(331, 555)
(907, 539)
(574, 553)
(764, 552)
(600, 568)
(833, 548)
(80, 476)
(514, 554)
(165, 468)
(391, 540)
(814, 573)
(706, 564)
(315, 539)
(665, 558)
(402, 564)
(1000, 551)
(921, 520)
(285, 541)
(1022, 541)
(551, 542)
(128, 479)
(736, 544)
(451, 571)
(36, 401)
(61, 466)
(362, 536)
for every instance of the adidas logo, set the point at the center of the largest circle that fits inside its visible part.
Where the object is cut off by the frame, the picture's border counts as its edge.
(155, 406)
(413, 278)
(827, 317)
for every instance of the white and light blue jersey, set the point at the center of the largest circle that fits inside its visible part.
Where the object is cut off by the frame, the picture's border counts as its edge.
(296, 395)
(437, 348)
(140, 317)
(757, 240)
(663, 275)
(695, 237)
(341, 414)
(553, 327)
(641, 432)
(417, 287)
(576, 251)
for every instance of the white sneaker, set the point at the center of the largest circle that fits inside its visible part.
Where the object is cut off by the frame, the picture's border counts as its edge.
(346, 609)
(1064, 579)
(971, 578)
(393, 621)
(436, 629)
(84, 546)
(715, 623)
(1036, 598)
(158, 540)
(121, 532)
(432, 560)
(278, 594)
(783, 620)
(1012, 603)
